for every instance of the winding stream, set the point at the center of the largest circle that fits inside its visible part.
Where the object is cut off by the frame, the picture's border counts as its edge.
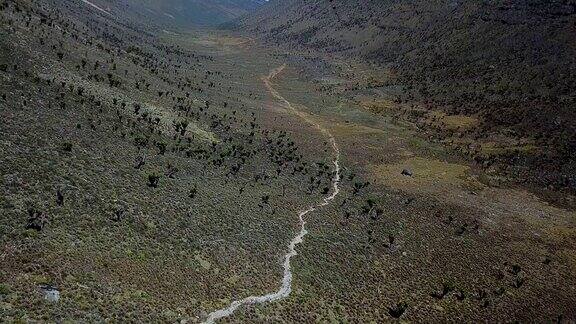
(286, 287)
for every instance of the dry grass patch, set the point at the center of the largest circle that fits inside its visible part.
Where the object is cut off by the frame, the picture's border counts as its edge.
(453, 122)
(427, 175)
(350, 129)
(381, 106)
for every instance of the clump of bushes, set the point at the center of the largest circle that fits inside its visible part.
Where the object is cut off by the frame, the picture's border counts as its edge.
(36, 219)
(398, 310)
(153, 180)
(67, 147)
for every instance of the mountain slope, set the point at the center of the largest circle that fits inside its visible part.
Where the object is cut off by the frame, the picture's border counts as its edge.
(199, 12)
(183, 13)
(510, 64)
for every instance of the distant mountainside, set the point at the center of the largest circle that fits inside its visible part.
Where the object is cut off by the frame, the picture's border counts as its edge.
(184, 13)
(511, 64)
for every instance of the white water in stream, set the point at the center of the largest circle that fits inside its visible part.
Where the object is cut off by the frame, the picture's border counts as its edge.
(286, 288)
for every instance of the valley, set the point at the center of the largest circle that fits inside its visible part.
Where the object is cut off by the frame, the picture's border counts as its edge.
(161, 174)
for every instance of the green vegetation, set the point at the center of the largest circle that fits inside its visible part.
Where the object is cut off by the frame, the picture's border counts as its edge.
(150, 176)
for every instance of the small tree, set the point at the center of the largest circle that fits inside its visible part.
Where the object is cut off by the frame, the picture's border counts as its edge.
(193, 192)
(161, 147)
(398, 310)
(153, 180)
(140, 161)
(59, 198)
(36, 219)
(67, 147)
(447, 287)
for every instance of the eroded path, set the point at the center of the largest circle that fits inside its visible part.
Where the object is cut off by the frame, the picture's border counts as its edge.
(286, 287)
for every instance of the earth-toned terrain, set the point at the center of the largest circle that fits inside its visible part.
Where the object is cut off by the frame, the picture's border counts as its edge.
(159, 172)
(495, 80)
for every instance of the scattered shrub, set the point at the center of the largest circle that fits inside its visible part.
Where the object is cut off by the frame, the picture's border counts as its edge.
(67, 147)
(153, 180)
(398, 310)
(37, 220)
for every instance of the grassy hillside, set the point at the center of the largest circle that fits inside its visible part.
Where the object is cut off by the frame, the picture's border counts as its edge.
(127, 158)
(509, 65)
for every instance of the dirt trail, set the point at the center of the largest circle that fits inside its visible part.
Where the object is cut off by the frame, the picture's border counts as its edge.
(286, 287)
